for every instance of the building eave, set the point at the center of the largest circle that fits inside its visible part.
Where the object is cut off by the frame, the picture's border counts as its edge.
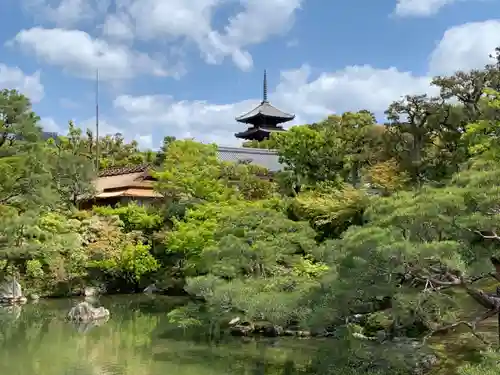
(249, 132)
(265, 109)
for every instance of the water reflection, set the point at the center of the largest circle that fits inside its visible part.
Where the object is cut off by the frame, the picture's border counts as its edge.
(84, 327)
(10, 312)
(137, 340)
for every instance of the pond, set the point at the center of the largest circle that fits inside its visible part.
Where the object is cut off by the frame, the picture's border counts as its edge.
(137, 340)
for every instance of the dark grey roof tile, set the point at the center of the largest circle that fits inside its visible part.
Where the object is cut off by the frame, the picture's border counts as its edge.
(266, 109)
(268, 159)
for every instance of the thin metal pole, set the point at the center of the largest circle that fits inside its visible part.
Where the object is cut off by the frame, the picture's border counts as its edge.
(498, 294)
(97, 120)
(264, 94)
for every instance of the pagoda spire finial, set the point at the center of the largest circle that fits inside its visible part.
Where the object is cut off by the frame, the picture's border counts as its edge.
(264, 97)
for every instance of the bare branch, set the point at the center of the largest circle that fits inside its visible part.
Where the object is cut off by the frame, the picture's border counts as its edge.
(492, 236)
(471, 325)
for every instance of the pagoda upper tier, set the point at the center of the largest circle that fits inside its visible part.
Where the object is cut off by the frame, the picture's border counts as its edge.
(265, 119)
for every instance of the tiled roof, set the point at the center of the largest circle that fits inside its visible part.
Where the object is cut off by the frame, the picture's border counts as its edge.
(130, 192)
(49, 135)
(121, 181)
(265, 108)
(252, 131)
(264, 158)
(116, 171)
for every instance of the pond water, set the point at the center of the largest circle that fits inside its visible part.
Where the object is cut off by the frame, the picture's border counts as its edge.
(35, 339)
(137, 340)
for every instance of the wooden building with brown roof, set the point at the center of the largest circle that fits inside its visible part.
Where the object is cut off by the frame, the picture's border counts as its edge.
(123, 185)
(136, 183)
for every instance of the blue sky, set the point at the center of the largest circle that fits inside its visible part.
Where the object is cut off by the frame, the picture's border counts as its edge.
(188, 67)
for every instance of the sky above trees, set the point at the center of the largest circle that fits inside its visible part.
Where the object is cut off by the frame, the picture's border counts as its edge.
(187, 68)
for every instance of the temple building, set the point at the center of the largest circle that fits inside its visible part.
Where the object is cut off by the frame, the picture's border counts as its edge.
(263, 119)
(136, 183)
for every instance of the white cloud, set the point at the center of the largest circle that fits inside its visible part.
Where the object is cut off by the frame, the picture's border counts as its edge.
(109, 127)
(175, 22)
(105, 126)
(465, 47)
(148, 118)
(118, 27)
(311, 98)
(66, 13)
(78, 53)
(15, 78)
(50, 125)
(157, 114)
(421, 8)
(257, 22)
(353, 88)
(145, 141)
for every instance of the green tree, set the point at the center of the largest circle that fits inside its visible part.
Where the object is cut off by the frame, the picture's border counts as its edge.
(333, 150)
(161, 154)
(17, 120)
(26, 179)
(192, 171)
(73, 166)
(269, 144)
(330, 211)
(234, 251)
(416, 256)
(483, 136)
(415, 123)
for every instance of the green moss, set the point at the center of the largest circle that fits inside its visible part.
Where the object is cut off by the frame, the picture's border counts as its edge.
(378, 321)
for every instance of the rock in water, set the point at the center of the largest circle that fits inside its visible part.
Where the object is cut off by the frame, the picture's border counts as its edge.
(85, 312)
(89, 291)
(151, 289)
(11, 292)
(94, 291)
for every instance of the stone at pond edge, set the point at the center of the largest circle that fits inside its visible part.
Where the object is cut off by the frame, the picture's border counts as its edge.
(91, 291)
(268, 329)
(85, 312)
(11, 292)
(419, 358)
(150, 289)
(238, 327)
(242, 329)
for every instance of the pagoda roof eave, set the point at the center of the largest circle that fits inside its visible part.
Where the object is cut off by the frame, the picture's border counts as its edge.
(246, 133)
(265, 109)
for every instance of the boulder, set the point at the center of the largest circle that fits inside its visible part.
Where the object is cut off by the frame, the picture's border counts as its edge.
(150, 289)
(242, 329)
(415, 356)
(90, 291)
(239, 327)
(267, 329)
(11, 292)
(94, 291)
(85, 312)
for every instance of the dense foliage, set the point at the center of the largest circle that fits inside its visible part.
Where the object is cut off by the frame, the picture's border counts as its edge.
(373, 233)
